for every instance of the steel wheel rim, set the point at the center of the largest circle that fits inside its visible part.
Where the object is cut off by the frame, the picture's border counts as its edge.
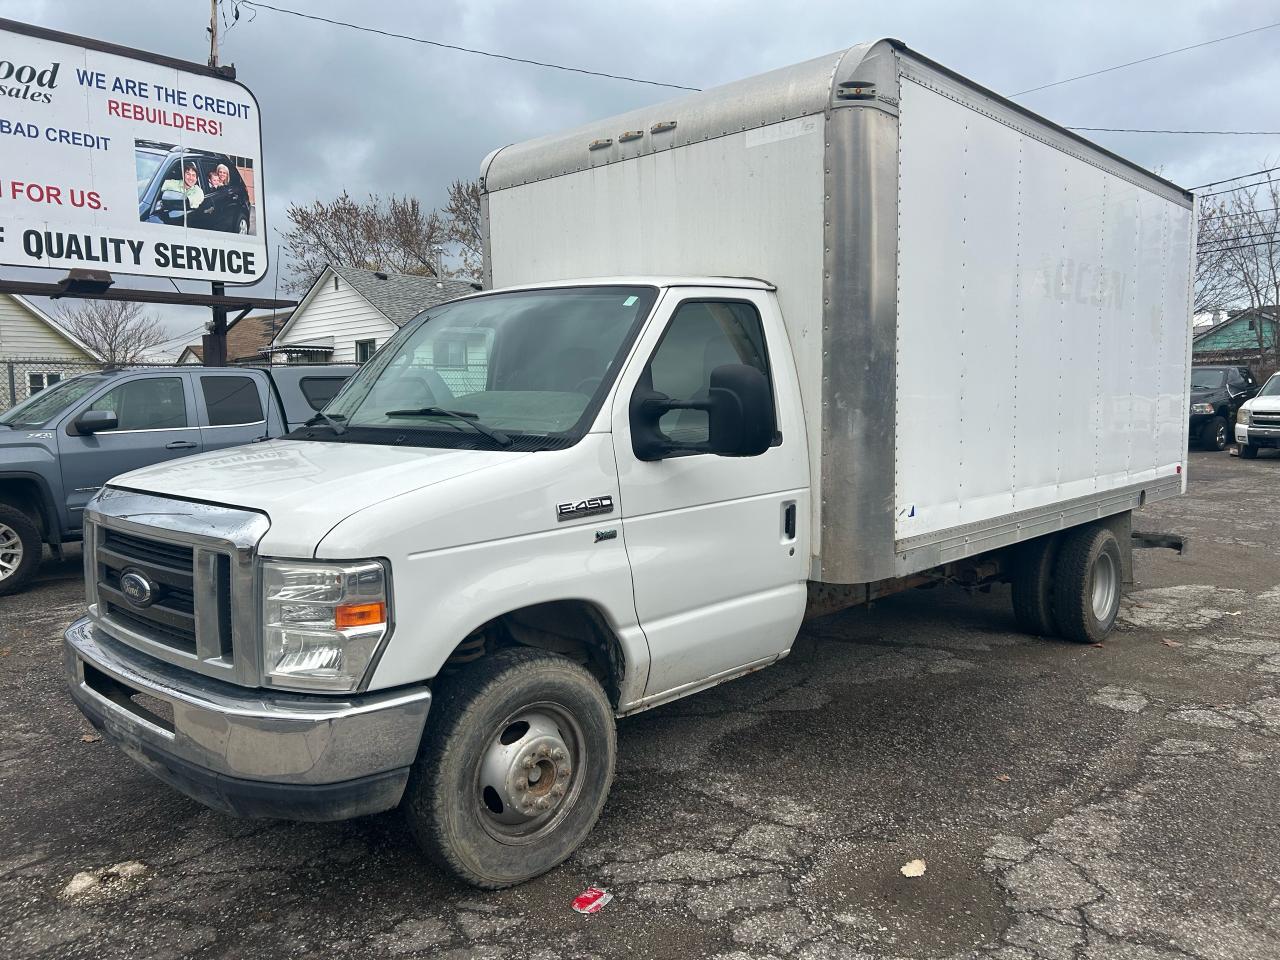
(11, 551)
(1103, 587)
(1221, 436)
(535, 788)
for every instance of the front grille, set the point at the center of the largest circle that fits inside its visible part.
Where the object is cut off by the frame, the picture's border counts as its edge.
(193, 603)
(1266, 419)
(173, 573)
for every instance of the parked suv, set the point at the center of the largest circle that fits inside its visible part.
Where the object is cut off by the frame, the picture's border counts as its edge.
(1216, 394)
(58, 448)
(1258, 420)
(225, 206)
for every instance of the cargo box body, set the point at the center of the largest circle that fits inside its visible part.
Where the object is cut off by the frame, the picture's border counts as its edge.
(990, 316)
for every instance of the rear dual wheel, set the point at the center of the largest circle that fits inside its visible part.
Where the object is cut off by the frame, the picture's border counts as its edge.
(1069, 585)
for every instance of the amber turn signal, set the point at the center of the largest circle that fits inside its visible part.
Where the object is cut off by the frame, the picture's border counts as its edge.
(360, 615)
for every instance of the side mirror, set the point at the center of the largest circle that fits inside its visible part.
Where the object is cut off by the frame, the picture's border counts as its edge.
(93, 421)
(741, 415)
(739, 409)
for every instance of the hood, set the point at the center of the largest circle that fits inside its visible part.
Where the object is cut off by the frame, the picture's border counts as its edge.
(1264, 404)
(1205, 395)
(307, 487)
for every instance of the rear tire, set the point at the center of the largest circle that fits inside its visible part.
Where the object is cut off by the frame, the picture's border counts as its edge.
(1088, 576)
(514, 767)
(20, 549)
(1248, 451)
(1213, 436)
(1033, 586)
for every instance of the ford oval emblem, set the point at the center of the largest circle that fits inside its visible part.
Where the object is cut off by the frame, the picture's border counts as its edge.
(137, 589)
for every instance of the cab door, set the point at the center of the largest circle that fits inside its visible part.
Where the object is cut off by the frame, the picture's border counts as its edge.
(718, 545)
(156, 421)
(233, 408)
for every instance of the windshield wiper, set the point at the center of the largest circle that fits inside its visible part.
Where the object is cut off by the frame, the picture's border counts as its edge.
(470, 419)
(329, 421)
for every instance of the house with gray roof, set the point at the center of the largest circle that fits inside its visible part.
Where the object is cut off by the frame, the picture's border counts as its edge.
(348, 313)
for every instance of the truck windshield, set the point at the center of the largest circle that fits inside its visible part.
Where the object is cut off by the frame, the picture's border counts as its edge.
(1207, 378)
(1272, 387)
(524, 370)
(48, 403)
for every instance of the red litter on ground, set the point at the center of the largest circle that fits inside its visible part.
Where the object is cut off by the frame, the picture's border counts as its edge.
(591, 900)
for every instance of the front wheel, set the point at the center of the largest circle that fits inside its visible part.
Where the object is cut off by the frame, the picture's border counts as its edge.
(514, 767)
(1248, 451)
(20, 549)
(1087, 581)
(1214, 434)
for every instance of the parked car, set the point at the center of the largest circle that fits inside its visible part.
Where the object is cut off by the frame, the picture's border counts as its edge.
(443, 595)
(225, 206)
(1216, 395)
(1258, 420)
(61, 445)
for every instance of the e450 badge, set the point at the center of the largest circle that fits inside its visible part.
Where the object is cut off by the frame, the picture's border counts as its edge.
(590, 507)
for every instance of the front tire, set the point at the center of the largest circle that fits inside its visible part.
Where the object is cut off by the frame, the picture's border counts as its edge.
(1087, 584)
(514, 767)
(20, 549)
(1214, 434)
(1248, 451)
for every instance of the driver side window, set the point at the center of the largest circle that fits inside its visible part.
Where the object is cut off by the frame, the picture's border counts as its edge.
(703, 335)
(151, 403)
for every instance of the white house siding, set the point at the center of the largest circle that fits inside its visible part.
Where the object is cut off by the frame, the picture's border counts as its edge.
(33, 355)
(23, 335)
(341, 315)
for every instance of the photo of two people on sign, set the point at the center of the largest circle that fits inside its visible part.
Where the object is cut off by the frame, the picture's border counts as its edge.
(195, 188)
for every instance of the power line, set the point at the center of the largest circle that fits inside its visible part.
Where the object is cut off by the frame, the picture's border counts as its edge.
(1220, 133)
(1133, 63)
(1243, 176)
(1243, 186)
(1243, 246)
(1224, 216)
(255, 5)
(1273, 235)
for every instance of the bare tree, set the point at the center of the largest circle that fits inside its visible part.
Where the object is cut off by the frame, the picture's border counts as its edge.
(396, 235)
(1217, 287)
(463, 216)
(118, 331)
(1249, 244)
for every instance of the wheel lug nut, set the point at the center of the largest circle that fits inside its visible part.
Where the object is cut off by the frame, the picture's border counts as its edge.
(522, 784)
(529, 763)
(543, 803)
(557, 754)
(564, 773)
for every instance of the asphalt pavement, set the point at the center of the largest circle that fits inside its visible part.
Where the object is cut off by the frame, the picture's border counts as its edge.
(1117, 801)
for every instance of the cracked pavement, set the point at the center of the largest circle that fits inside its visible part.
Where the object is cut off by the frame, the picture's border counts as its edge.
(1070, 801)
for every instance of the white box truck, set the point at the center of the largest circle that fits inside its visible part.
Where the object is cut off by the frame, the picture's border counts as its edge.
(851, 327)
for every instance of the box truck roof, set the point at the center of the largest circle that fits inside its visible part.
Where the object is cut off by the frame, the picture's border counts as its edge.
(799, 90)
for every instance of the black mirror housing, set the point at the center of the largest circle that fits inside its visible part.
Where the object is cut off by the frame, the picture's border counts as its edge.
(740, 420)
(93, 421)
(740, 415)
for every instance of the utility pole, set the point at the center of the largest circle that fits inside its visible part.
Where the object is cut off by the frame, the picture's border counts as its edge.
(215, 342)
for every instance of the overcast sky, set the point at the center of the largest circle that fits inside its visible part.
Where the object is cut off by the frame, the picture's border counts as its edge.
(347, 109)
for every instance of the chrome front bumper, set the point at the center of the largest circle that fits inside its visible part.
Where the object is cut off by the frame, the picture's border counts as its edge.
(1266, 436)
(245, 751)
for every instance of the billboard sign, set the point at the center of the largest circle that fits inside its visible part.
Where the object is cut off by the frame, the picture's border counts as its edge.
(119, 160)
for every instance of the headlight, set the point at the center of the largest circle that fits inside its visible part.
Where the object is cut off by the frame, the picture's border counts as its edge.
(322, 623)
(1202, 408)
(1244, 415)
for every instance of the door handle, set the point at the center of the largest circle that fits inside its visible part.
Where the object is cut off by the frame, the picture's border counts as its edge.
(789, 520)
(180, 445)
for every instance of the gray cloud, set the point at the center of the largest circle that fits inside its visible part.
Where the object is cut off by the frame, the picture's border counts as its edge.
(348, 110)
